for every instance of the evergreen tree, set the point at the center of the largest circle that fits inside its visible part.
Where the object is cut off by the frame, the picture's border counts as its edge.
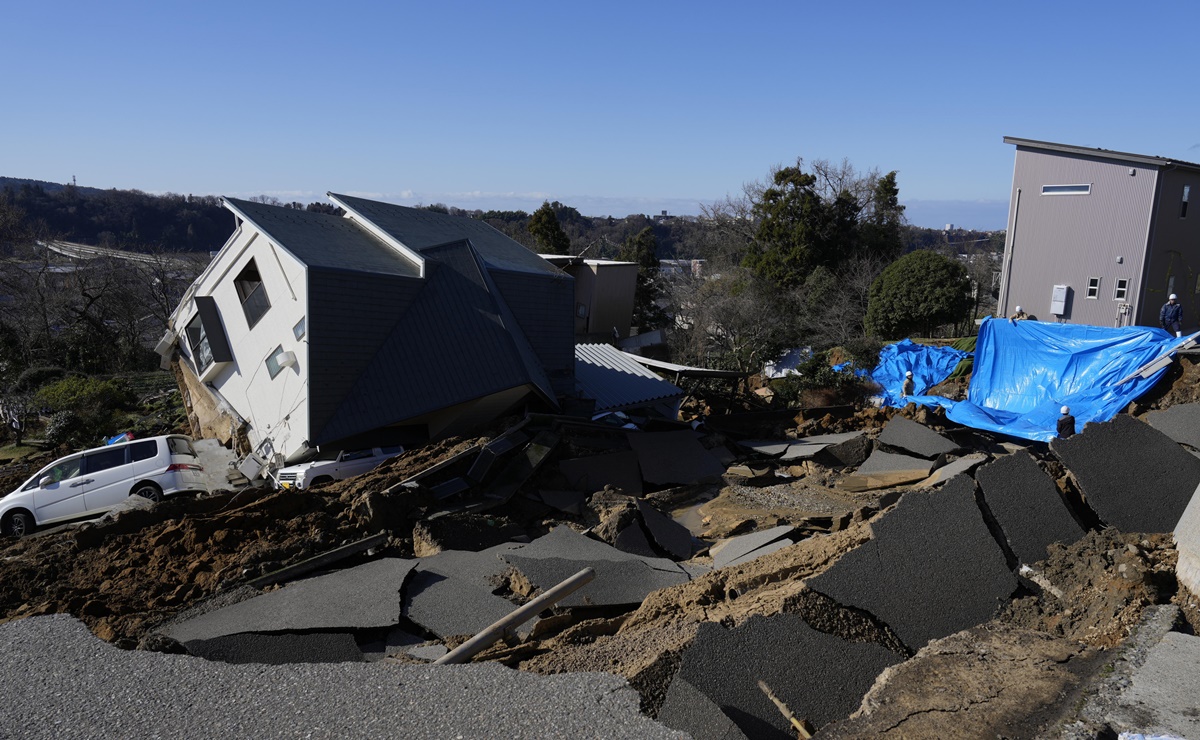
(643, 249)
(549, 234)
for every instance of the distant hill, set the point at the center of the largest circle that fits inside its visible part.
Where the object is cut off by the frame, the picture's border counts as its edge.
(50, 187)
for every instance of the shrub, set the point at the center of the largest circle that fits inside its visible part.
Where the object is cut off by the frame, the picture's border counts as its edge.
(33, 378)
(85, 395)
(918, 293)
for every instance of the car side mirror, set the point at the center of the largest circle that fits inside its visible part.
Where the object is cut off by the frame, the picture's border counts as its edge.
(46, 481)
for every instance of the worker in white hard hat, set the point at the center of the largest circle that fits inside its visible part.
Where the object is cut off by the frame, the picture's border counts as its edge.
(1171, 316)
(909, 388)
(1018, 315)
(1066, 424)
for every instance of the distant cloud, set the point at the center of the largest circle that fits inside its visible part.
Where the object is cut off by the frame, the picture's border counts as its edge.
(981, 215)
(1193, 147)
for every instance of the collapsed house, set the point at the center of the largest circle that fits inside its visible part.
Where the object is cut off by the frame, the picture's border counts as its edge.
(387, 326)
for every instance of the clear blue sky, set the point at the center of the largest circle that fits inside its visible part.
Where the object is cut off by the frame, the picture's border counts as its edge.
(611, 107)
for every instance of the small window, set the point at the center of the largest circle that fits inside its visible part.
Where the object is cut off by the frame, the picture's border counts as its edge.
(1093, 289)
(98, 461)
(298, 330)
(273, 362)
(392, 450)
(252, 294)
(180, 446)
(1183, 206)
(357, 455)
(201, 353)
(1122, 289)
(147, 449)
(1066, 189)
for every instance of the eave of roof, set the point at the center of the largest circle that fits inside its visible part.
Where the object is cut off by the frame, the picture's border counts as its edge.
(1105, 153)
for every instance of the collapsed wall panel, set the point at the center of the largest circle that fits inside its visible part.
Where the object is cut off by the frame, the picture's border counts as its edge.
(1027, 506)
(930, 570)
(1133, 476)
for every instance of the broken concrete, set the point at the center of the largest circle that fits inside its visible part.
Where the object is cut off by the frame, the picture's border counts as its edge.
(906, 434)
(674, 458)
(616, 469)
(818, 676)
(1162, 699)
(364, 597)
(1187, 542)
(1027, 506)
(1133, 476)
(930, 570)
(686, 708)
(799, 449)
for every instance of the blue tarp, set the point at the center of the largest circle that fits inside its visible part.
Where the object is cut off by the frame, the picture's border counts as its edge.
(929, 365)
(1026, 370)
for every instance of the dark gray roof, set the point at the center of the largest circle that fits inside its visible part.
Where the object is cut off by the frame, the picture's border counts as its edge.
(322, 240)
(419, 230)
(1094, 152)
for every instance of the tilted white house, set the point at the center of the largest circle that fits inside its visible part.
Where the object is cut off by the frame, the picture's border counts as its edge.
(390, 325)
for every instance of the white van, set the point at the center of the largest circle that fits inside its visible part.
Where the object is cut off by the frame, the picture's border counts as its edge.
(94, 481)
(334, 465)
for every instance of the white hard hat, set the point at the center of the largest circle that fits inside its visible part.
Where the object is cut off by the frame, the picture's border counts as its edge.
(908, 374)
(1171, 297)
(1018, 309)
(1066, 409)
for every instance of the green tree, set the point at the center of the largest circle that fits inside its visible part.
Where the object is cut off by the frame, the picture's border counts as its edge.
(787, 243)
(549, 234)
(917, 293)
(882, 229)
(643, 249)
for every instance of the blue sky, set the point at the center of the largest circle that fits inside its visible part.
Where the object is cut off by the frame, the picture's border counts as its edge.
(611, 107)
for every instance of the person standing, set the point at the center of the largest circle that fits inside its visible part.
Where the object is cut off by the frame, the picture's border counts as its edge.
(909, 386)
(1171, 316)
(1066, 424)
(1018, 315)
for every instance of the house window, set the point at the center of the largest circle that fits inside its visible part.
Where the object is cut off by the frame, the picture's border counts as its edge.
(1093, 289)
(1122, 289)
(1183, 206)
(273, 362)
(251, 292)
(198, 341)
(298, 330)
(1067, 189)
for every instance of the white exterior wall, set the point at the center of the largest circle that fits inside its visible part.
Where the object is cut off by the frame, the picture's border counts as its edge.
(277, 408)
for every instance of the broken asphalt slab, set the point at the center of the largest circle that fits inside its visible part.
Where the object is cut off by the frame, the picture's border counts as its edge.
(964, 464)
(671, 536)
(451, 593)
(674, 458)
(100, 690)
(1133, 476)
(617, 582)
(727, 551)
(886, 469)
(310, 647)
(818, 676)
(930, 569)
(906, 434)
(363, 597)
(1027, 506)
(1181, 423)
(798, 449)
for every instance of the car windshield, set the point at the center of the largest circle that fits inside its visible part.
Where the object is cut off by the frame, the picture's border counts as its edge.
(326, 455)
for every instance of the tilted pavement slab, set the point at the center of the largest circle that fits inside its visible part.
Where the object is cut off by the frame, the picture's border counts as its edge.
(964, 464)
(310, 647)
(1164, 696)
(930, 569)
(918, 439)
(1133, 476)
(362, 597)
(618, 469)
(99, 690)
(1187, 543)
(674, 457)
(888, 463)
(734, 548)
(687, 709)
(1181, 423)
(567, 544)
(1027, 506)
(668, 534)
(451, 593)
(633, 540)
(617, 582)
(818, 676)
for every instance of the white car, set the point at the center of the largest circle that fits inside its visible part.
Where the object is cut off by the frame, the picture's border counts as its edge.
(93, 481)
(334, 465)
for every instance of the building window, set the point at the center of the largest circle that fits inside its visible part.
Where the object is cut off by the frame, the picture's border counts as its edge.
(1093, 289)
(1067, 189)
(275, 361)
(1183, 206)
(198, 341)
(1122, 289)
(298, 330)
(252, 294)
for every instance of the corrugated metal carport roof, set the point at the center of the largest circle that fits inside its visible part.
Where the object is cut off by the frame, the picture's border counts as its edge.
(610, 376)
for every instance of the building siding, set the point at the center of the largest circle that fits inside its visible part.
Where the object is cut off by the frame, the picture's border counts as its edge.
(1173, 264)
(1066, 239)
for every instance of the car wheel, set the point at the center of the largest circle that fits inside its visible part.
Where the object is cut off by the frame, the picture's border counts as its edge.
(19, 524)
(320, 481)
(148, 490)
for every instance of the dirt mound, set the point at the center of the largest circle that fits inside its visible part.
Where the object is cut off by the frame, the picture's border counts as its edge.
(1180, 384)
(1095, 590)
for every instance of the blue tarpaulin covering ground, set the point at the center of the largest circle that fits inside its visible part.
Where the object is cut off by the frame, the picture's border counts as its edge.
(1025, 371)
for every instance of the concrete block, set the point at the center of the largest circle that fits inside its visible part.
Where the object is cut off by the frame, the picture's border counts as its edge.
(1133, 476)
(313, 647)
(930, 569)
(818, 676)
(918, 439)
(673, 458)
(1181, 423)
(1187, 543)
(1027, 506)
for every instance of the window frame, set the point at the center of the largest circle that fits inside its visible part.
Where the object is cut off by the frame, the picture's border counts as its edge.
(273, 366)
(88, 465)
(252, 293)
(1121, 289)
(1093, 291)
(1184, 201)
(301, 328)
(202, 356)
(1074, 189)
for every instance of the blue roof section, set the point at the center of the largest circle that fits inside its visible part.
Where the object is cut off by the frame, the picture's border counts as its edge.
(609, 376)
(419, 230)
(322, 240)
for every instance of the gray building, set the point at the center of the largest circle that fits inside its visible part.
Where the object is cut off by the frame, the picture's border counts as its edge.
(1100, 237)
